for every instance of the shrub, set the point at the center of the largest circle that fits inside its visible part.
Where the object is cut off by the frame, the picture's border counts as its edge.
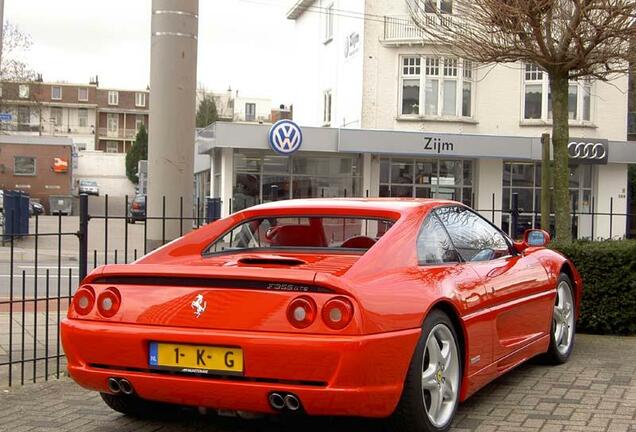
(608, 270)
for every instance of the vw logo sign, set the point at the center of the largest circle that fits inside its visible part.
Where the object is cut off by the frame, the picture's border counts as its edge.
(285, 137)
(587, 151)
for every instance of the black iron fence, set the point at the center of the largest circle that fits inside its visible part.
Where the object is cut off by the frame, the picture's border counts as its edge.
(40, 269)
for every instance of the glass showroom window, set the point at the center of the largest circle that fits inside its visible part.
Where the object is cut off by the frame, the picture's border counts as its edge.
(538, 99)
(524, 179)
(258, 176)
(427, 178)
(443, 86)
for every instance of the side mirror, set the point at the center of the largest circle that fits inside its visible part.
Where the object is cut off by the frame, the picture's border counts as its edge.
(533, 238)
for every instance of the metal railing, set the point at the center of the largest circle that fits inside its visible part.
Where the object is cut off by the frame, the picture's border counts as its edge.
(403, 29)
(117, 133)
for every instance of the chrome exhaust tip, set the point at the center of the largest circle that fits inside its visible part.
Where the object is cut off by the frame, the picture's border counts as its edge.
(276, 401)
(292, 403)
(126, 387)
(113, 385)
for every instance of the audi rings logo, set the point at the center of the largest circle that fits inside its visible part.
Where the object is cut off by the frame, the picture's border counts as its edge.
(285, 137)
(587, 151)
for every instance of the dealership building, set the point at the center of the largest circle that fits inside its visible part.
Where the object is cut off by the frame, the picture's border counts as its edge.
(382, 111)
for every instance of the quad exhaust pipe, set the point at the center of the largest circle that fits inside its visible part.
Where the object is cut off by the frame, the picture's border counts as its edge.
(281, 401)
(120, 385)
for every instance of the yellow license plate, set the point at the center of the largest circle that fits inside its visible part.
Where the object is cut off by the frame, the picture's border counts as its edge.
(195, 358)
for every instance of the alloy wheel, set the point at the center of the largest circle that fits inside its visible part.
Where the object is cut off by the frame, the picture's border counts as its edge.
(440, 375)
(563, 318)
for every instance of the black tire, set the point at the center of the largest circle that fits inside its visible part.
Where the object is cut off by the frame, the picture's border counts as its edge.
(134, 406)
(410, 415)
(555, 356)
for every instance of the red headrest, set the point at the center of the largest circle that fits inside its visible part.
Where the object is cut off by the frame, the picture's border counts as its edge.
(297, 236)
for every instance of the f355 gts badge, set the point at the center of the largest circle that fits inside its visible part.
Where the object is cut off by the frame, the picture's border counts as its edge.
(199, 305)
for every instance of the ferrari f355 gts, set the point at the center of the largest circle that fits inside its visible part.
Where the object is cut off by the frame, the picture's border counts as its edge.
(382, 308)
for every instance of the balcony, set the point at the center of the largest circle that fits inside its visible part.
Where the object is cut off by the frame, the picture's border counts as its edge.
(127, 134)
(400, 30)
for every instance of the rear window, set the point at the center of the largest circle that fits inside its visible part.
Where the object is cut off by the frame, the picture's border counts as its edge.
(302, 233)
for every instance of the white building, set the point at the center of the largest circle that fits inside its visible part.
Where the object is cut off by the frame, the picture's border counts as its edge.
(385, 112)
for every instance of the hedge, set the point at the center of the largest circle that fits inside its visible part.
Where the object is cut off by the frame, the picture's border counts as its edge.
(608, 270)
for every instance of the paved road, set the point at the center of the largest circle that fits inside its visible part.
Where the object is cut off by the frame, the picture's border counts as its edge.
(595, 391)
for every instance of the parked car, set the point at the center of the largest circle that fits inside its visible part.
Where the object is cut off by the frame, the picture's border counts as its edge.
(137, 209)
(88, 187)
(354, 307)
(35, 208)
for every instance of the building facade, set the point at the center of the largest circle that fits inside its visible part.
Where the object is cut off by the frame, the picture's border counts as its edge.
(41, 166)
(120, 114)
(386, 112)
(53, 109)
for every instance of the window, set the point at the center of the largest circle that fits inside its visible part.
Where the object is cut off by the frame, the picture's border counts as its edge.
(329, 23)
(326, 117)
(474, 238)
(82, 94)
(82, 115)
(57, 116)
(23, 91)
(538, 97)
(113, 98)
(24, 115)
(435, 6)
(24, 166)
(433, 244)
(113, 123)
(301, 232)
(112, 147)
(140, 99)
(250, 112)
(56, 93)
(427, 178)
(443, 87)
(524, 179)
(139, 122)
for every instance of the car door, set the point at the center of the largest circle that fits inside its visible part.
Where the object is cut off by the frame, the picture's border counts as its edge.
(441, 266)
(517, 295)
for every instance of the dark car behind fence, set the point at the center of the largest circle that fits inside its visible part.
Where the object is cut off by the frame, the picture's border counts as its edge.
(42, 266)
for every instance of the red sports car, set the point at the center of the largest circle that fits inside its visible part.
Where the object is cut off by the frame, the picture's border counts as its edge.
(357, 307)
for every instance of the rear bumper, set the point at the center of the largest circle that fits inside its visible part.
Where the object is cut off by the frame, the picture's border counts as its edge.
(331, 375)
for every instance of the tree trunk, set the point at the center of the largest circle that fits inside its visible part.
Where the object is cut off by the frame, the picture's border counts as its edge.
(546, 182)
(559, 84)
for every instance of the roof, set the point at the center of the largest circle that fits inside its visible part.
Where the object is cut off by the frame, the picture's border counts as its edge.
(36, 140)
(299, 8)
(400, 205)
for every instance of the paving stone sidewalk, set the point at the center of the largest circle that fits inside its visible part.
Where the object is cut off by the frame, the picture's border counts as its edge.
(595, 391)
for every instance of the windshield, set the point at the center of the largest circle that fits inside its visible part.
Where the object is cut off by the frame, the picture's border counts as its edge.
(302, 232)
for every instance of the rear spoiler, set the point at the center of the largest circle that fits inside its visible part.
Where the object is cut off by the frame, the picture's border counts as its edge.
(267, 279)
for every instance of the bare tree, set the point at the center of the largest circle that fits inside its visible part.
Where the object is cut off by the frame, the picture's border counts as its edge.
(568, 39)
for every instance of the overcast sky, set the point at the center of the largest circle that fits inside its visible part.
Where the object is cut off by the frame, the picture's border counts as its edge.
(239, 42)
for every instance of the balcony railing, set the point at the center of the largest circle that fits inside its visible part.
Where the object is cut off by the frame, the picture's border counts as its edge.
(117, 133)
(402, 29)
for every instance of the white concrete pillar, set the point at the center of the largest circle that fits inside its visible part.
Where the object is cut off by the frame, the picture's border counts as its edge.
(489, 181)
(610, 188)
(173, 67)
(227, 180)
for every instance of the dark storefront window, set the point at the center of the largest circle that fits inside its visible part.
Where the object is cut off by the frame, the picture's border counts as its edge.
(524, 179)
(260, 177)
(427, 178)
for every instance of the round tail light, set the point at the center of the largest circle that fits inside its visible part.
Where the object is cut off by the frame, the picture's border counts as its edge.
(84, 300)
(108, 302)
(337, 313)
(301, 312)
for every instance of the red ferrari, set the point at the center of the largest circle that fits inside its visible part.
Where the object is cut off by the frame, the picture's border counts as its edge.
(353, 307)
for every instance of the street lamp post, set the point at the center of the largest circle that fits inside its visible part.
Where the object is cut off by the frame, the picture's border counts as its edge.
(173, 65)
